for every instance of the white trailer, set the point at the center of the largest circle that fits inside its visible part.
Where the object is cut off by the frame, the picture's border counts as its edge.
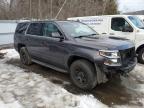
(7, 29)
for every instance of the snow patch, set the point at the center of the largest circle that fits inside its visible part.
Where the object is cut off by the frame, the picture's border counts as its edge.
(10, 53)
(15, 104)
(138, 71)
(90, 102)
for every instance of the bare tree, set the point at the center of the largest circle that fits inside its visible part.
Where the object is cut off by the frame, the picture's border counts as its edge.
(44, 9)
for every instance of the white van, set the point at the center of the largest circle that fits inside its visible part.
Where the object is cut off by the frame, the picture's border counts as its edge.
(123, 26)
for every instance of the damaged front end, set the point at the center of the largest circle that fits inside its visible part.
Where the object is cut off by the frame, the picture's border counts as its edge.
(115, 62)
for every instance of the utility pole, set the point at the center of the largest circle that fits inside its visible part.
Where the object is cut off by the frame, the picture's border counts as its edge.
(30, 8)
(104, 8)
(60, 9)
(39, 8)
(51, 9)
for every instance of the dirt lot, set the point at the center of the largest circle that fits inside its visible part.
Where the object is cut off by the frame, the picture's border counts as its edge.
(118, 92)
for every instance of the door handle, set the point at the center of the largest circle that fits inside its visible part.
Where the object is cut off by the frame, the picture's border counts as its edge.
(104, 33)
(27, 39)
(112, 34)
(44, 43)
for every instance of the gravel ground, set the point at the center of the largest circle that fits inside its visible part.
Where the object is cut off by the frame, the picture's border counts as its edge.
(40, 87)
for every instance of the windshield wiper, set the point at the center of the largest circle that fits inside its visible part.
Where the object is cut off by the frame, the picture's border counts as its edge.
(90, 35)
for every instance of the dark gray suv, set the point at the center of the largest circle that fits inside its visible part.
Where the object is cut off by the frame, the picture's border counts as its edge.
(73, 47)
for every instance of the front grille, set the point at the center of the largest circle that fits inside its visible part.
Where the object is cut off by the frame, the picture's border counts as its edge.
(127, 56)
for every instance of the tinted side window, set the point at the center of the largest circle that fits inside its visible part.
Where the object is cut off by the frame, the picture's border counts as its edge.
(50, 28)
(35, 29)
(118, 24)
(21, 28)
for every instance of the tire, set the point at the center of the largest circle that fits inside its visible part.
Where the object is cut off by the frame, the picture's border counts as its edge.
(25, 57)
(83, 74)
(141, 56)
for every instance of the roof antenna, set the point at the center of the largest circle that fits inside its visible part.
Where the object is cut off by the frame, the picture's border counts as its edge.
(60, 9)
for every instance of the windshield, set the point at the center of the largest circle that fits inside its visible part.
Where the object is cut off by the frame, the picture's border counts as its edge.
(76, 29)
(136, 21)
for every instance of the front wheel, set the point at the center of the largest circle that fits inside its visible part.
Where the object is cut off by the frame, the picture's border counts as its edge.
(83, 74)
(141, 56)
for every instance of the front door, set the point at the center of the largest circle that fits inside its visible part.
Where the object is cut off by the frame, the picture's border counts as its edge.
(54, 50)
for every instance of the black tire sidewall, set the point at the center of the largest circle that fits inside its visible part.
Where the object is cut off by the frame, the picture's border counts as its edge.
(27, 58)
(140, 54)
(88, 70)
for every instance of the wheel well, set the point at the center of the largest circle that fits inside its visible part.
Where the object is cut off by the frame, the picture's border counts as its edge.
(74, 58)
(20, 46)
(139, 48)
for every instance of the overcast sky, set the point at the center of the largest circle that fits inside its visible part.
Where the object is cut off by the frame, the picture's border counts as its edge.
(131, 5)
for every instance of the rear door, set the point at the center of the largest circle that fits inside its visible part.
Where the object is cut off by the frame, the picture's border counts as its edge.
(34, 39)
(19, 36)
(117, 26)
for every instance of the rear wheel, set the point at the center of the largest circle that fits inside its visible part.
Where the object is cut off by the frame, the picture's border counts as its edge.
(83, 74)
(141, 56)
(24, 56)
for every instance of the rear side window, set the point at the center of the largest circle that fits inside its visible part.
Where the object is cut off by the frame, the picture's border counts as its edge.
(21, 28)
(35, 29)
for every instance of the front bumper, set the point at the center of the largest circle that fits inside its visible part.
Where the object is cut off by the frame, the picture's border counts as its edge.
(103, 71)
(119, 69)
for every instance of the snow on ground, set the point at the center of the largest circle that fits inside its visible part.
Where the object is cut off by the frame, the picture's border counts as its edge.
(137, 73)
(22, 89)
(19, 89)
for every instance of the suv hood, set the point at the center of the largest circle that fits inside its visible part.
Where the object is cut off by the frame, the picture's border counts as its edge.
(106, 43)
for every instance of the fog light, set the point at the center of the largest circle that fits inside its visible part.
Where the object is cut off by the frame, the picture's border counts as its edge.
(112, 62)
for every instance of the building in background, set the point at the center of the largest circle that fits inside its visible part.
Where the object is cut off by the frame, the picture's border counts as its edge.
(135, 13)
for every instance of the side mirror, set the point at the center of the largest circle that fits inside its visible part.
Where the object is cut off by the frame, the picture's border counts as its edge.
(57, 35)
(127, 29)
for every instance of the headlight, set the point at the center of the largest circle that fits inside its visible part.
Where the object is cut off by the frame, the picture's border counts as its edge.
(112, 58)
(114, 54)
